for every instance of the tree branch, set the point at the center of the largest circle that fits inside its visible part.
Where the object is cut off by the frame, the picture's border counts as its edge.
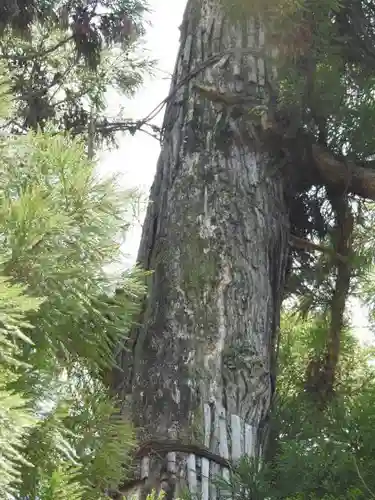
(303, 244)
(36, 54)
(166, 445)
(345, 175)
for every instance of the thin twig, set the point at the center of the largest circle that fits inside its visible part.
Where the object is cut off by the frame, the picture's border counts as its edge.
(361, 478)
(37, 54)
(303, 244)
(193, 73)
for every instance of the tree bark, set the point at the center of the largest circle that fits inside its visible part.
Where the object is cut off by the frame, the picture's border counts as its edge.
(201, 363)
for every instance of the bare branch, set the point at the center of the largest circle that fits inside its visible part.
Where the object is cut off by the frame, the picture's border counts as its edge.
(372, 494)
(345, 175)
(303, 244)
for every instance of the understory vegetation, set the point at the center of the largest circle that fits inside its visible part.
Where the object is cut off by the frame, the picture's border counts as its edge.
(315, 453)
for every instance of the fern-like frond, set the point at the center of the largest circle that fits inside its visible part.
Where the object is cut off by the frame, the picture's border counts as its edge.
(16, 419)
(62, 484)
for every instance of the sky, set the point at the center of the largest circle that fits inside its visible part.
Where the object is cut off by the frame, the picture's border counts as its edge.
(135, 159)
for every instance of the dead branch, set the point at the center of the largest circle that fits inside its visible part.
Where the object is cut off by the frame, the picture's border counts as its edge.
(167, 445)
(303, 244)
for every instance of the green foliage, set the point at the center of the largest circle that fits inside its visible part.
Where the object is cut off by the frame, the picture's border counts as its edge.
(49, 180)
(62, 485)
(102, 439)
(305, 340)
(61, 436)
(90, 24)
(15, 421)
(314, 454)
(61, 225)
(83, 434)
(73, 54)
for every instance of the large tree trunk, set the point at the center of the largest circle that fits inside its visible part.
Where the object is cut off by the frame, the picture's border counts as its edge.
(216, 238)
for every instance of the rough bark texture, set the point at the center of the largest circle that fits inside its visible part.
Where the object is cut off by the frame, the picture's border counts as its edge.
(216, 237)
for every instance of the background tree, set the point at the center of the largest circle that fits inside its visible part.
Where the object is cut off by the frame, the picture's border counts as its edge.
(66, 58)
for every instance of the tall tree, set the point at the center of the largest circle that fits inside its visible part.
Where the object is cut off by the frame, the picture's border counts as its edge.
(66, 58)
(261, 135)
(216, 238)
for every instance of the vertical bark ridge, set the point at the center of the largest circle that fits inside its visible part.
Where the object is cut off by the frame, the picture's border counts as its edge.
(215, 237)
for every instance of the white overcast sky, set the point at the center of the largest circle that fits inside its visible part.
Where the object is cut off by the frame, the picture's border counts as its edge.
(137, 156)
